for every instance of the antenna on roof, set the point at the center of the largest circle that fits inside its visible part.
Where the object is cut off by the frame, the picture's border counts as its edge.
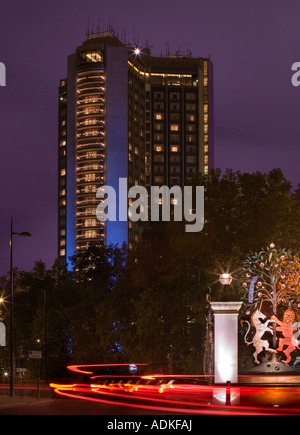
(188, 51)
(110, 27)
(88, 28)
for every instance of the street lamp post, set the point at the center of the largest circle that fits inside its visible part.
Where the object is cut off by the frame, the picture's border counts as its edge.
(225, 279)
(11, 344)
(225, 338)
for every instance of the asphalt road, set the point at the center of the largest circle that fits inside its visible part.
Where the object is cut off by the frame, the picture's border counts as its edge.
(63, 406)
(79, 407)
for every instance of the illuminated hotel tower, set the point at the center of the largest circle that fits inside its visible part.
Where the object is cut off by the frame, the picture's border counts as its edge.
(126, 114)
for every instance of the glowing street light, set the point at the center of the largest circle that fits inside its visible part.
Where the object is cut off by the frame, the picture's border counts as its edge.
(225, 279)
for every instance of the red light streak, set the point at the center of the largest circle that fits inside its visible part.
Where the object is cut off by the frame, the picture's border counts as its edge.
(217, 409)
(155, 393)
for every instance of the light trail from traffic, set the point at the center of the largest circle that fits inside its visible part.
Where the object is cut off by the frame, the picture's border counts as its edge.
(179, 394)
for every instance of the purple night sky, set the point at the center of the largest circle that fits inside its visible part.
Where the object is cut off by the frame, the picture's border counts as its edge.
(252, 44)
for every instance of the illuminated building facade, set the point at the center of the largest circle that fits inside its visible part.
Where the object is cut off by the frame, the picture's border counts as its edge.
(179, 119)
(126, 114)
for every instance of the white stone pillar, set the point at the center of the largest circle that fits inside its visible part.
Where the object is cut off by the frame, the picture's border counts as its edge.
(226, 341)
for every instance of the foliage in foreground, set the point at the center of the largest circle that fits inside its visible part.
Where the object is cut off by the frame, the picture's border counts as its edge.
(149, 304)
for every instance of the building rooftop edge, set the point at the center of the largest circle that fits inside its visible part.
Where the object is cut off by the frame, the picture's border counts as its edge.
(110, 38)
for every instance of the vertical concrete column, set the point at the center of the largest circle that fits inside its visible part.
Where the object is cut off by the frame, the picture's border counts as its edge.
(226, 341)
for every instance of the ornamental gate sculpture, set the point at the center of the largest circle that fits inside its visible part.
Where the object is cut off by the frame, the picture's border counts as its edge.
(270, 289)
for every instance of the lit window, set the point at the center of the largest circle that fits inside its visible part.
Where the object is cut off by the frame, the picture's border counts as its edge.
(90, 222)
(174, 149)
(90, 177)
(90, 56)
(90, 188)
(90, 234)
(62, 252)
(190, 117)
(159, 116)
(91, 155)
(158, 148)
(63, 172)
(174, 127)
(190, 138)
